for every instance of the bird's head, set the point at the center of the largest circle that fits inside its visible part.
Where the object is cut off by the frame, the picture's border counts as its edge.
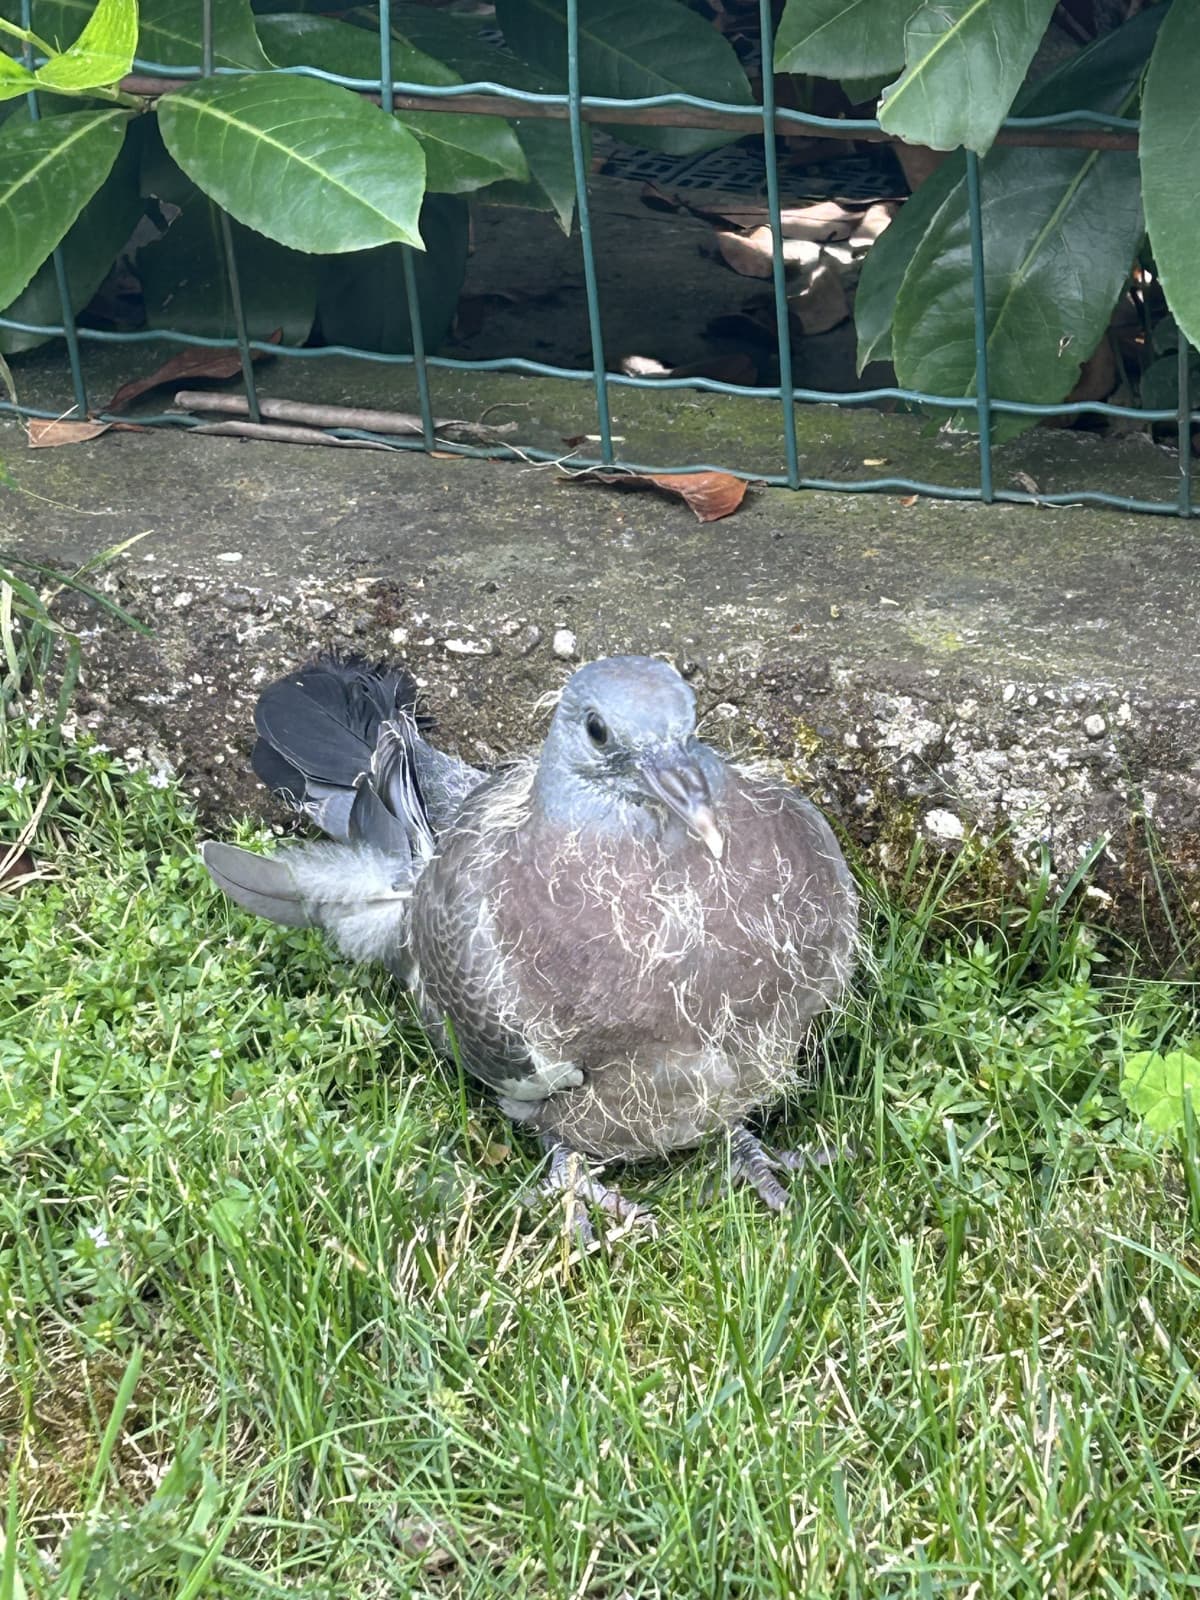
(625, 731)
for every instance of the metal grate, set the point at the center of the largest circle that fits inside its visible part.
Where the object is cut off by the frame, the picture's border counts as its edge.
(1084, 128)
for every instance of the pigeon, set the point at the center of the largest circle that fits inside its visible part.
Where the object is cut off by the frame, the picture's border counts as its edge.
(624, 936)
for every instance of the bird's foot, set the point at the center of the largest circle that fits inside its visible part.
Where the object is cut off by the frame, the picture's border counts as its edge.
(751, 1162)
(571, 1177)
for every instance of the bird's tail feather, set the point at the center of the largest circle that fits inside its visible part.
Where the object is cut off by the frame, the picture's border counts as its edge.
(262, 884)
(357, 893)
(340, 741)
(337, 741)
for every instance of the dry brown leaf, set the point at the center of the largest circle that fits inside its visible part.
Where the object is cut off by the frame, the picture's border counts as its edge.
(752, 254)
(46, 435)
(875, 461)
(643, 367)
(872, 223)
(199, 362)
(823, 223)
(1097, 380)
(821, 304)
(711, 495)
(735, 367)
(908, 499)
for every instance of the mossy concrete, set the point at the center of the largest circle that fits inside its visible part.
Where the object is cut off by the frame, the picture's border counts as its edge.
(927, 668)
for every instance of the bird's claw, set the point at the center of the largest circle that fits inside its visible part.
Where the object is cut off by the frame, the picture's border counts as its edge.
(569, 1175)
(751, 1162)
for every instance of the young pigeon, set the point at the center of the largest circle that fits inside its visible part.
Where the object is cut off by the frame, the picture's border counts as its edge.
(625, 937)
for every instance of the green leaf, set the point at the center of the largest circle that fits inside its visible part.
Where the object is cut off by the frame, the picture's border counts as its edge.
(1169, 140)
(551, 186)
(89, 249)
(462, 152)
(169, 30)
(233, 1216)
(362, 302)
(103, 52)
(842, 38)
(1154, 1085)
(887, 261)
(186, 284)
(49, 170)
(1158, 386)
(545, 143)
(308, 164)
(1060, 228)
(966, 61)
(14, 78)
(632, 48)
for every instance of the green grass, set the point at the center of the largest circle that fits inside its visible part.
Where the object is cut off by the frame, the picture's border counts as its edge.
(275, 1321)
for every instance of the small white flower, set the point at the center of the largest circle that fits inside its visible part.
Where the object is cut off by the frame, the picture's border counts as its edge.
(158, 780)
(20, 782)
(98, 1235)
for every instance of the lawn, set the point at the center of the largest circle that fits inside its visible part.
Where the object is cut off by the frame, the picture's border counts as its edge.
(277, 1319)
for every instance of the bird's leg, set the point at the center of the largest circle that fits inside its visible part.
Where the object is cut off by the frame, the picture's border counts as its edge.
(570, 1174)
(751, 1162)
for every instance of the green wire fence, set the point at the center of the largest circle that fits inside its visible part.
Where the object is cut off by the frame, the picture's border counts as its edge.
(1088, 129)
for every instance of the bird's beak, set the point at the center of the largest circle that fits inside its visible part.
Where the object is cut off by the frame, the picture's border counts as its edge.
(682, 787)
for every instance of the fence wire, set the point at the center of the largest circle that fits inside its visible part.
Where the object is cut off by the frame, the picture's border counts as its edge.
(1083, 128)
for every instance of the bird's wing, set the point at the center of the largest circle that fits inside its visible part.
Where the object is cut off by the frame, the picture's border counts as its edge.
(465, 975)
(446, 782)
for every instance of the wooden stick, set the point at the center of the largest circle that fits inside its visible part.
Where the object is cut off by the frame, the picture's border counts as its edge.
(688, 117)
(300, 412)
(282, 433)
(400, 422)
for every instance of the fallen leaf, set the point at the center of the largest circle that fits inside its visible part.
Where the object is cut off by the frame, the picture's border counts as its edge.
(711, 495)
(735, 367)
(1097, 380)
(46, 435)
(875, 461)
(908, 500)
(643, 367)
(821, 304)
(752, 254)
(823, 222)
(200, 362)
(872, 223)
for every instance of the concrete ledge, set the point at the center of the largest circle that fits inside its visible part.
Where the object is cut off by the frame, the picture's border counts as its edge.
(932, 668)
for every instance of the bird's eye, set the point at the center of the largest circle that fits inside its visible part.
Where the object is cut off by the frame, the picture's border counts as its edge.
(597, 728)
